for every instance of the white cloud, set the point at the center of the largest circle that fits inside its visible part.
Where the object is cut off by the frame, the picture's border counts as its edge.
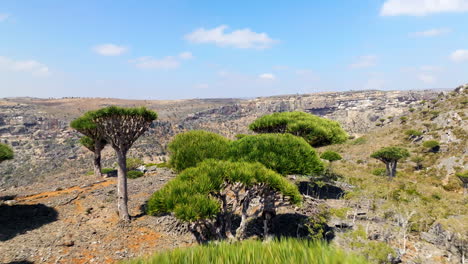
(426, 78)
(241, 38)
(364, 62)
(148, 62)
(422, 7)
(186, 55)
(31, 66)
(110, 49)
(431, 32)
(4, 17)
(267, 76)
(459, 55)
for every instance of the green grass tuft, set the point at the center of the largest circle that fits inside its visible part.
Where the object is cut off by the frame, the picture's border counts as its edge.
(251, 251)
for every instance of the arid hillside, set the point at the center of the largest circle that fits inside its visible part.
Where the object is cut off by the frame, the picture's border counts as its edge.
(45, 146)
(65, 216)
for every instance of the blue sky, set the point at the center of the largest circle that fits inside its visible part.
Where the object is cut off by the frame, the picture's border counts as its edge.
(205, 49)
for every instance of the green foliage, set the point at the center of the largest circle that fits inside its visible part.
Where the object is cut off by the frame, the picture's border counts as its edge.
(239, 136)
(254, 251)
(107, 170)
(190, 195)
(317, 131)
(112, 111)
(6, 153)
(133, 163)
(283, 153)
(330, 156)
(89, 143)
(134, 174)
(403, 119)
(317, 225)
(432, 145)
(189, 148)
(341, 213)
(463, 176)
(413, 133)
(390, 154)
(379, 172)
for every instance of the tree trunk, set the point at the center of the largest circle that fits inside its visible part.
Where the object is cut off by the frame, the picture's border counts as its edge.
(389, 170)
(243, 224)
(227, 218)
(122, 195)
(97, 163)
(393, 167)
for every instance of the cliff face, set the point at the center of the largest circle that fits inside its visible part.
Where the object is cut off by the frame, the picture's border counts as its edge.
(45, 146)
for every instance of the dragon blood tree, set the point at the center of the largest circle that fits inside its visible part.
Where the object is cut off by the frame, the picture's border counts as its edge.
(121, 127)
(93, 140)
(208, 196)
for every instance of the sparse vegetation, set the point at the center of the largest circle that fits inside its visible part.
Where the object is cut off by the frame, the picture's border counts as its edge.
(134, 174)
(6, 153)
(432, 145)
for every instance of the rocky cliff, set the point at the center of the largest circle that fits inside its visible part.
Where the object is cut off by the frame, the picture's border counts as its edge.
(45, 146)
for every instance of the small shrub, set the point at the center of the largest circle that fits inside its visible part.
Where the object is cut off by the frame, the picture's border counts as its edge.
(413, 133)
(330, 156)
(379, 172)
(133, 163)
(134, 174)
(403, 119)
(432, 145)
(107, 170)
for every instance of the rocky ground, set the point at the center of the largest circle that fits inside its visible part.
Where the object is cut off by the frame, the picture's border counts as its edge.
(76, 222)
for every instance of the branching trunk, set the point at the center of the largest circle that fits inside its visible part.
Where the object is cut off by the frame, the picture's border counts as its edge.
(122, 195)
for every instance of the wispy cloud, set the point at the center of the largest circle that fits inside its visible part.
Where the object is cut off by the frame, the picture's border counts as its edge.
(364, 62)
(241, 38)
(4, 17)
(431, 32)
(186, 55)
(422, 7)
(166, 63)
(267, 76)
(460, 55)
(148, 62)
(30, 66)
(110, 49)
